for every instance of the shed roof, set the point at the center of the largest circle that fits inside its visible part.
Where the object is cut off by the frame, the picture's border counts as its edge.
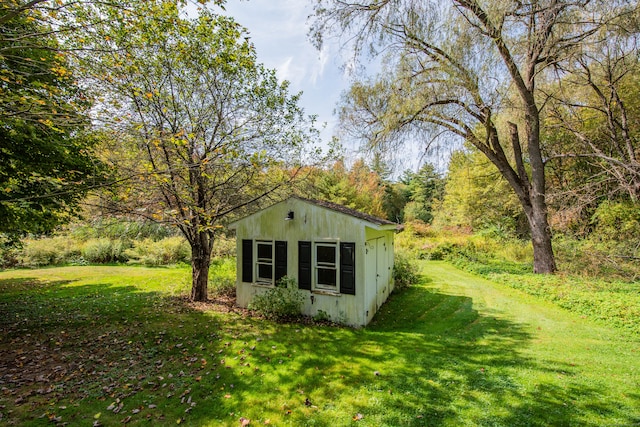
(344, 210)
(348, 211)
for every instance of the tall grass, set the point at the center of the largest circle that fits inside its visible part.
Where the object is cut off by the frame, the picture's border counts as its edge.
(48, 251)
(170, 250)
(108, 241)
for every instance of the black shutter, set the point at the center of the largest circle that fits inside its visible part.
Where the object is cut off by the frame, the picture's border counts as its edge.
(304, 265)
(281, 260)
(348, 268)
(247, 261)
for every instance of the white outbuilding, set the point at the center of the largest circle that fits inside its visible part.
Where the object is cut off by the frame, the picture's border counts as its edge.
(341, 259)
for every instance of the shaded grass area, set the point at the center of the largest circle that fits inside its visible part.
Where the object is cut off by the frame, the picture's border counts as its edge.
(113, 345)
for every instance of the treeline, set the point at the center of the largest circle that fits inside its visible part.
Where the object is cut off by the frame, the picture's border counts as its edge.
(471, 197)
(470, 213)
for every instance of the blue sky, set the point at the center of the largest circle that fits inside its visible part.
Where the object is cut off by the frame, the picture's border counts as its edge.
(278, 29)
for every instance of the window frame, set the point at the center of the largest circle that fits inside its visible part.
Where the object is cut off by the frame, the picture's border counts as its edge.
(335, 266)
(264, 261)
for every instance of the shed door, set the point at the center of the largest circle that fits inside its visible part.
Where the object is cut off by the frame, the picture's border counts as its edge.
(377, 277)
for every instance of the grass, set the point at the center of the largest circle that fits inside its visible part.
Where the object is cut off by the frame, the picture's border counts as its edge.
(610, 301)
(119, 345)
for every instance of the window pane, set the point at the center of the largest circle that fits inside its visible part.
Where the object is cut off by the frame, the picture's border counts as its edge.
(326, 254)
(265, 271)
(327, 276)
(265, 251)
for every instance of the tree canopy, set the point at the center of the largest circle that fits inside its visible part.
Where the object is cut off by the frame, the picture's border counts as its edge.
(46, 160)
(201, 130)
(472, 68)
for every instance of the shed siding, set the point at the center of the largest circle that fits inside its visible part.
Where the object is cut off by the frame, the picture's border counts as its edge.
(313, 224)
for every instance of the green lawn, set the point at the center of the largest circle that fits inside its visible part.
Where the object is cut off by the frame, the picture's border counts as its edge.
(113, 345)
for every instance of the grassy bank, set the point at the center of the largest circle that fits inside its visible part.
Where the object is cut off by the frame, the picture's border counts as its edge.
(112, 345)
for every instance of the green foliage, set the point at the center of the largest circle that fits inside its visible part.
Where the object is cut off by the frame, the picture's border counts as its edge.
(48, 251)
(476, 196)
(115, 228)
(224, 247)
(46, 159)
(222, 277)
(405, 271)
(424, 189)
(104, 251)
(109, 241)
(282, 302)
(617, 221)
(321, 316)
(170, 250)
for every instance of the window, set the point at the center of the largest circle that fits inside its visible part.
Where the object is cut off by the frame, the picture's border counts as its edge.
(327, 269)
(269, 264)
(326, 265)
(264, 262)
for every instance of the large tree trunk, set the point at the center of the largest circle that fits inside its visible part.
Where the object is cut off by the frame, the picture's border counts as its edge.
(200, 262)
(531, 193)
(543, 258)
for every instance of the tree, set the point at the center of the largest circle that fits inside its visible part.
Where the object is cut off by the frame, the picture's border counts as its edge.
(358, 187)
(46, 160)
(594, 106)
(424, 188)
(476, 196)
(202, 131)
(456, 65)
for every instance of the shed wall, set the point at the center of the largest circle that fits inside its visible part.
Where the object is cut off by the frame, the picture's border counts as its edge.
(316, 224)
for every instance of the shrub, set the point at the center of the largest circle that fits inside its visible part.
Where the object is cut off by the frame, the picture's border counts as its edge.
(224, 247)
(322, 317)
(405, 272)
(617, 221)
(8, 254)
(170, 250)
(222, 277)
(47, 251)
(283, 302)
(104, 251)
(115, 229)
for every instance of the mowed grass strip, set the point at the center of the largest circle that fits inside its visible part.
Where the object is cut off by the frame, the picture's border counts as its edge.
(120, 345)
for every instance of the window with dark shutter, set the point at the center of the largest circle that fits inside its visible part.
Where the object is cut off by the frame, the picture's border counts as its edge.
(281, 260)
(348, 268)
(247, 261)
(304, 265)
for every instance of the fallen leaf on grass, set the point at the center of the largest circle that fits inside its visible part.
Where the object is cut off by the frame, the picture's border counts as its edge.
(227, 396)
(358, 417)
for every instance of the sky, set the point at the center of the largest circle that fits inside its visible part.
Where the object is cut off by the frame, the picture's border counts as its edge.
(278, 29)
